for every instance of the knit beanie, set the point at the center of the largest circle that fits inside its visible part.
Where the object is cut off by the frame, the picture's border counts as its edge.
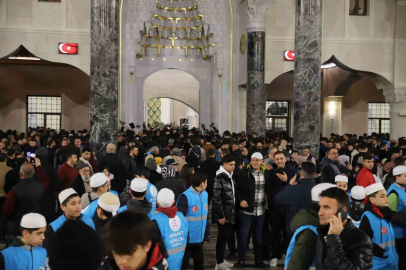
(75, 246)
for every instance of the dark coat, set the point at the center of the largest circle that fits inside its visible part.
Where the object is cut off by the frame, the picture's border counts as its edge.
(224, 197)
(297, 197)
(173, 183)
(351, 250)
(130, 166)
(245, 190)
(210, 166)
(78, 185)
(275, 184)
(115, 167)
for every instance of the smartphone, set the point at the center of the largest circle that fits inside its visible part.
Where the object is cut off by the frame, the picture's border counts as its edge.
(343, 214)
(28, 154)
(32, 158)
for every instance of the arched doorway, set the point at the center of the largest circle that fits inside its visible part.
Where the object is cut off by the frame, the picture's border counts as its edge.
(171, 95)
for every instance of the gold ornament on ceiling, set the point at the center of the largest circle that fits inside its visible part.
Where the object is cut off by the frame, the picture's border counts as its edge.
(243, 44)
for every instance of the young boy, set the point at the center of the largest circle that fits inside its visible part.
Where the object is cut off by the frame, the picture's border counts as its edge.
(152, 191)
(107, 206)
(138, 190)
(341, 182)
(89, 200)
(376, 223)
(26, 252)
(357, 206)
(172, 227)
(397, 203)
(130, 244)
(71, 206)
(193, 204)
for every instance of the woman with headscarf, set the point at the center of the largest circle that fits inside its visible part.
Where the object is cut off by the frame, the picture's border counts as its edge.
(170, 180)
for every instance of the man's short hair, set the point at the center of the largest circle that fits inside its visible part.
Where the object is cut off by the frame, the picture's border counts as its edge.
(132, 147)
(278, 153)
(399, 161)
(3, 157)
(328, 150)
(239, 162)
(175, 152)
(368, 156)
(309, 168)
(198, 179)
(211, 152)
(86, 149)
(30, 230)
(33, 140)
(27, 169)
(122, 234)
(142, 170)
(228, 159)
(295, 151)
(225, 151)
(338, 194)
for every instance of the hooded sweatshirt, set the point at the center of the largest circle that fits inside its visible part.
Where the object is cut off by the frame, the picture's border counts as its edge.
(139, 206)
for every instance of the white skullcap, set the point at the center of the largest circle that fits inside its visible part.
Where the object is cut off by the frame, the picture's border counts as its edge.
(33, 221)
(98, 180)
(358, 193)
(109, 202)
(341, 178)
(165, 198)
(139, 184)
(257, 155)
(65, 194)
(318, 189)
(374, 188)
(399, 170)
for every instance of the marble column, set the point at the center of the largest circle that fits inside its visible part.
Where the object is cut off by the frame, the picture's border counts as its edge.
(104, 76)
(307, 80)
(256, 90)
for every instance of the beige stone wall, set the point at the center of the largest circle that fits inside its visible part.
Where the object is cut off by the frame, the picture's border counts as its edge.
(360, 42)
(400, 56)
(40, 26)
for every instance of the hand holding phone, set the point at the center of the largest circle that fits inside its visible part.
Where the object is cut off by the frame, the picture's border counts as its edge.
(336, 222)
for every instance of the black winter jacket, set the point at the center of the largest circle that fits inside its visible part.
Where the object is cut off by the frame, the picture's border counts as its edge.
(130, 166)
(245, 190)
(224, 196)
(116, 167)
(351, 250)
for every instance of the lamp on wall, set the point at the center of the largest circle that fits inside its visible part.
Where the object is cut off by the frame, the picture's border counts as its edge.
(332, 108)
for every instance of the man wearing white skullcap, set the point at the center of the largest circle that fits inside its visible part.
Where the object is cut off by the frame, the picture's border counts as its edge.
(26, 252)
(71, 206)
(301, 251)
(138, 190)
(397, 202)
(108, 205)
(172, 226)
(357, 206)
(99, 185)
(376, 222)
(341, 182)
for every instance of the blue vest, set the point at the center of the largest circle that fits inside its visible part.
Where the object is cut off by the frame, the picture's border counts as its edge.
(151, 213)
(152, 193)
(174, 232)
(385, 238)
(19, 258)
(356, 223)
(400, 230)
(196, 214)
(61, 220)
(293, 243)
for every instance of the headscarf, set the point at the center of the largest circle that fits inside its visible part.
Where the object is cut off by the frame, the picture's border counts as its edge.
(167, 171)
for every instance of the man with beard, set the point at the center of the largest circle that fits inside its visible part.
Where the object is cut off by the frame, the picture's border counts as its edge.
(81, 182)
(84, 159)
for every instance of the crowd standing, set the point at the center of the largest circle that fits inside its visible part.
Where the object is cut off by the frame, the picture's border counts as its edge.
(146, 203)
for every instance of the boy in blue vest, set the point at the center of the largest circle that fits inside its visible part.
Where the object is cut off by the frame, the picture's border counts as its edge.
(99, 185)
(397, 202)
(172, 227)
(138, 203)
(152, 191)
(26, 252)
(71, 206)
(357, 206)
(301, 251)
(193, 203)
(376, 223)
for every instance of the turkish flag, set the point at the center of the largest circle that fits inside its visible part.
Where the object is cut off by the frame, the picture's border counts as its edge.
(289, 55)
(68, 48)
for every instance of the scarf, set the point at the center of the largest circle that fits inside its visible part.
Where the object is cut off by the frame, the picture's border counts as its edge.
(167, 171)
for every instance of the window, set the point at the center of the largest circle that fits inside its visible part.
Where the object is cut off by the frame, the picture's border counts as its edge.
(358, 7)
(277, 114)
(378, 118)
(44, 111)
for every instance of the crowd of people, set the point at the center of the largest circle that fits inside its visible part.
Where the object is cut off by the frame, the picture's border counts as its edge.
(145, 203)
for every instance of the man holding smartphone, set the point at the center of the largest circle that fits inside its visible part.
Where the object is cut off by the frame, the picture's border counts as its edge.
(340, 244)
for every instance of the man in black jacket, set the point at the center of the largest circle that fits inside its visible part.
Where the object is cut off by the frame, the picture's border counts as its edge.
(224, 210)
(209, 167)
(340, 245)
(252, 183)
(115, 167)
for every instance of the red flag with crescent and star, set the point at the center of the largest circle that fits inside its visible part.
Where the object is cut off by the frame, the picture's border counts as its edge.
(68, 48)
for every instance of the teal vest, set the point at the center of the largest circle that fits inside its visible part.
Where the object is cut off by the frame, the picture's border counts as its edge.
(293, 243)
(174, 232)
(385, 238)
(196, 215)
(19, 258)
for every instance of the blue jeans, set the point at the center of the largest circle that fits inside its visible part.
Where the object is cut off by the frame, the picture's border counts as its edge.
(245, 222)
